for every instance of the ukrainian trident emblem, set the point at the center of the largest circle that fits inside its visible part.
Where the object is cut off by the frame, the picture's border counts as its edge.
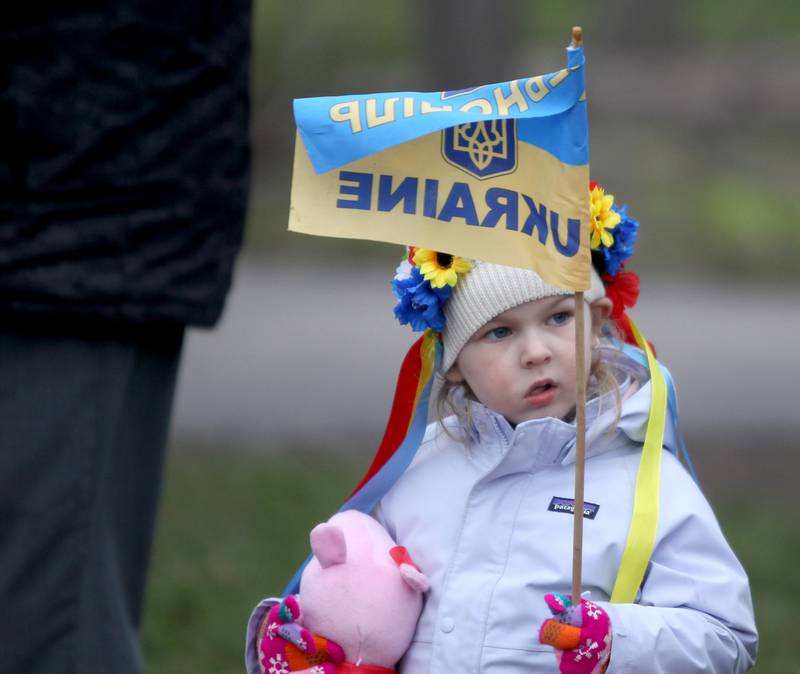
(483, 149)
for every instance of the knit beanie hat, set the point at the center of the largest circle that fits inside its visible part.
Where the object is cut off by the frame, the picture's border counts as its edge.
(487, 291)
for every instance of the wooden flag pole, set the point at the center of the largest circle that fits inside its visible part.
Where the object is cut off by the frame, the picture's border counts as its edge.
(577, 36)
(580, 446)
(580, 419)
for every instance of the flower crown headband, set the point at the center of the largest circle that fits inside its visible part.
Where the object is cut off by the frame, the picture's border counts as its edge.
(425, 278)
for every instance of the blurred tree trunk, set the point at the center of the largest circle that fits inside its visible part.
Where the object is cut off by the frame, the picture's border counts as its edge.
(465, 42)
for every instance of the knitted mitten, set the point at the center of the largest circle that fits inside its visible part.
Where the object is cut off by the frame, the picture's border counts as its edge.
(286, 646)
(581, 635)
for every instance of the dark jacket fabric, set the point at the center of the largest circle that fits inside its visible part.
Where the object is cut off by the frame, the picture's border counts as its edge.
(124, 158)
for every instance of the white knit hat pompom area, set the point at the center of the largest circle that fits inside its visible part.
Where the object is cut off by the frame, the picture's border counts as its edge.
(487, 291)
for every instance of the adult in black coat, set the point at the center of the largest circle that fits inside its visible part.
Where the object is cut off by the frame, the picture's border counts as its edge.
(124, 162)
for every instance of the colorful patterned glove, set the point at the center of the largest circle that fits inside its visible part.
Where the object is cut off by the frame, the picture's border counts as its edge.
(580, 634)
(286, 646)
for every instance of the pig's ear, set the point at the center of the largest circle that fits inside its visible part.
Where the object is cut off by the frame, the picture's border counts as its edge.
(410, 572)
(414, 578)
(328, 544)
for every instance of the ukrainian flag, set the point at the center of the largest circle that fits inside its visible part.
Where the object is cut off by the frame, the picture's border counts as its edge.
(498, 172)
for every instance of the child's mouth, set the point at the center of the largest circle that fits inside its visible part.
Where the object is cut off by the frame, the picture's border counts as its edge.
(541, 394)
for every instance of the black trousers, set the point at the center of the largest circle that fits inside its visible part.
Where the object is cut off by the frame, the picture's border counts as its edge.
(84, 417)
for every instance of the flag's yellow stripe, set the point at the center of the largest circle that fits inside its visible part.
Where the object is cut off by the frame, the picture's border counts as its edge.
(644, 521)
(548, 183)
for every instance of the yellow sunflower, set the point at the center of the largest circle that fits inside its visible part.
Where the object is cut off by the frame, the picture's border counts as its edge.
(440, 269)
(603, 218)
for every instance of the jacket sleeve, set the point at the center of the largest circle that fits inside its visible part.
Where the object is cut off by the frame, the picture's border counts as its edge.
(251, 636)
(694, 613)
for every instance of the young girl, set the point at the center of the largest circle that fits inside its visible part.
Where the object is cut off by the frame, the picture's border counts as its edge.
(485, 507)
(482, 507)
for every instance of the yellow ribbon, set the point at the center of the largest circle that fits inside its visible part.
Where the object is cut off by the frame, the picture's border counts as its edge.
(644, 521)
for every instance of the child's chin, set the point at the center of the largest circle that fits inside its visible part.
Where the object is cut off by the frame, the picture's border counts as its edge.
(537, 414)
(548, 412)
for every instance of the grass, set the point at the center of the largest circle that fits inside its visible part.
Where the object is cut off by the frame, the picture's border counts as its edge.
(233, 527)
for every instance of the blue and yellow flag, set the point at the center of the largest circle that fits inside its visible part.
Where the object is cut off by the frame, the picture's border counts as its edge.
(498, 172)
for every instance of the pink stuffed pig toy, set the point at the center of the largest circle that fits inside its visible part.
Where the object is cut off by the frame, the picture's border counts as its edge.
(360, 590)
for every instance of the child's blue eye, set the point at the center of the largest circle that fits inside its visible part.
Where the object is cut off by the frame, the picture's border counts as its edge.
(498, 333)
(560, 318)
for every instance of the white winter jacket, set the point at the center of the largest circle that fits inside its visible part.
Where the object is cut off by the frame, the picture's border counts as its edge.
(478, 520)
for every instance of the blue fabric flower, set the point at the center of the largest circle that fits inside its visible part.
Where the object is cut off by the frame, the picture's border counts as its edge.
(419, 305)
(624, 241)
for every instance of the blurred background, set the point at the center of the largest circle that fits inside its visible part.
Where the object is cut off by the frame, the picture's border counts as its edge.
(693, 109)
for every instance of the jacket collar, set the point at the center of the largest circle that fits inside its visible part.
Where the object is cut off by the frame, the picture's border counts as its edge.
(540, 443)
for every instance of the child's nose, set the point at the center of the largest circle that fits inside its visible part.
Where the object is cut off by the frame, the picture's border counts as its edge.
(534, 351)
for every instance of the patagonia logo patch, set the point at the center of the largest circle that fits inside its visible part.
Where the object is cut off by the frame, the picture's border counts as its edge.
(567, 505)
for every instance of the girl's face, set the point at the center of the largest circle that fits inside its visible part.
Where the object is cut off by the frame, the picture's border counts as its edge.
(521, 364)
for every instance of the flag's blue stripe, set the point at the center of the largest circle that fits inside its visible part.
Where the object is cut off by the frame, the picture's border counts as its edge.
(564, 136)
(373, 491)
(575, 57)
(331, 144)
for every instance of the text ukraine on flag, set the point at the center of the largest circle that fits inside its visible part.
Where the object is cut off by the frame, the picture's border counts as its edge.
(498, 172)
(356, 190)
